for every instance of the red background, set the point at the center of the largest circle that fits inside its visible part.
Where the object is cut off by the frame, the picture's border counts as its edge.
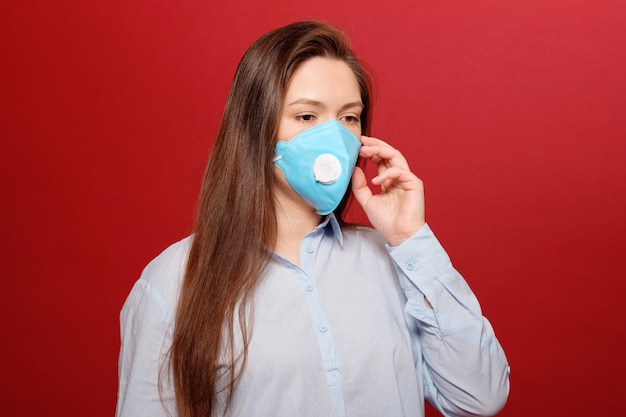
(512, 112)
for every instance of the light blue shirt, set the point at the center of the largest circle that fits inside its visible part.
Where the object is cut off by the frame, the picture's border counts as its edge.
(346, 333)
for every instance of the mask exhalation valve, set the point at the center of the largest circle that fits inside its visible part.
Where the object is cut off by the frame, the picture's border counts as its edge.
(326, 169)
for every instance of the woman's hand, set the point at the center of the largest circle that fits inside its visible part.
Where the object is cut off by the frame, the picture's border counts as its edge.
(397, 212)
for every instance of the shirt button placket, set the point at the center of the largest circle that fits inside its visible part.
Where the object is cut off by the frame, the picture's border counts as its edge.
(307, 263)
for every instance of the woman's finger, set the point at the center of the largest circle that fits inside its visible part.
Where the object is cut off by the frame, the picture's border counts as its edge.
(380, 151)
(403, 177)
(360, 189)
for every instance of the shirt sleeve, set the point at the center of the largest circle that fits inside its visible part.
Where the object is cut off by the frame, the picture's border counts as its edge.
(144, 380)
(465, 371)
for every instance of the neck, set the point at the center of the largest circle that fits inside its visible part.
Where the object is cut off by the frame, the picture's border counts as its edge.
(294, 220)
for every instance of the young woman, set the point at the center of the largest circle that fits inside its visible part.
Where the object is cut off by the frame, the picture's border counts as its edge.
(275, 306)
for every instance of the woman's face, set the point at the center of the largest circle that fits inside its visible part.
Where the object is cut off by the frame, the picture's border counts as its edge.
(321, 89)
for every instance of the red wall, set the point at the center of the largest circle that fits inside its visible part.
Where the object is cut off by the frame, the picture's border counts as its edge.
(513, 113)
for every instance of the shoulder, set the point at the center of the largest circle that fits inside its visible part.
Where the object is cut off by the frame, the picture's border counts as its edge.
(362, 232)
(363, 237)
(161, 279)
(168, 264)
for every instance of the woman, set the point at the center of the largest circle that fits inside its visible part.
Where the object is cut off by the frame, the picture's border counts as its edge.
(276, 307)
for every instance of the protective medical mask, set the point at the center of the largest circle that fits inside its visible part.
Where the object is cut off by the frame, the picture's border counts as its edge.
(318, 164)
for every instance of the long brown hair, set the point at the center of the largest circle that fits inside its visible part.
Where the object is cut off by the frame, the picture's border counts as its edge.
(235, 227)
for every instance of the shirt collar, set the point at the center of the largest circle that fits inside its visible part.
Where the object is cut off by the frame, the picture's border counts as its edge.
(334, 225)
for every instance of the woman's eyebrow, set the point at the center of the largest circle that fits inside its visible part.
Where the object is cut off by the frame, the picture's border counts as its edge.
(307, 101)
(321, 105)
(346, 106)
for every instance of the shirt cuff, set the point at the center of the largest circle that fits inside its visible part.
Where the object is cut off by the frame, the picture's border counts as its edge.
(421, 257)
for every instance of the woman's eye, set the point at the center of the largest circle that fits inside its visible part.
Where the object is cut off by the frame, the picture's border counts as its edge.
(351, 119)
(305, 117)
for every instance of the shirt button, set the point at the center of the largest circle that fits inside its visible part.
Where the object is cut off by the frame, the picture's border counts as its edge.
(309, 287)
(309, 249)
(334, 377)
(323, 328)
(410, 266)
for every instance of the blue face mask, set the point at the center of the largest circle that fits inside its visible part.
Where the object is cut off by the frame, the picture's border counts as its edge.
(318, 164)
